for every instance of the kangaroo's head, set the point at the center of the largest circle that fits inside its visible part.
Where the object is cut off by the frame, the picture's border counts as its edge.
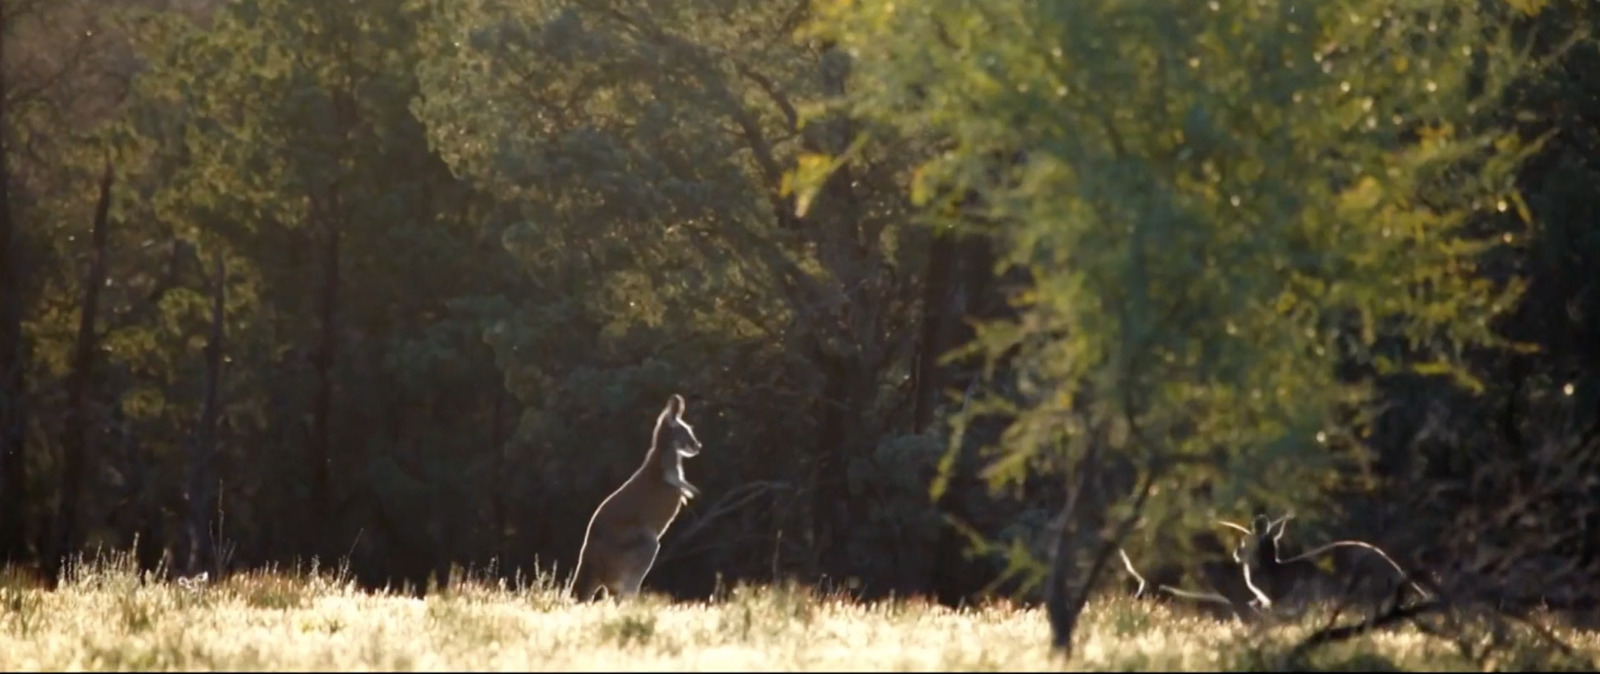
(1260, 548)
(673, 434)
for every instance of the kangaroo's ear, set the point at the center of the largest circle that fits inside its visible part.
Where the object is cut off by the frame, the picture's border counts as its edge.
(675, 405)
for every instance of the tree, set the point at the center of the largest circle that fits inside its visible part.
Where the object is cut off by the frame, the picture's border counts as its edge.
(644, 151)
(199, 525)
(67, 536)
(1218, 204)
(63, 77)
(360, 275)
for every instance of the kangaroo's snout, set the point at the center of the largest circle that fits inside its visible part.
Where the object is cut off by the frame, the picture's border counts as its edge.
(684, 442)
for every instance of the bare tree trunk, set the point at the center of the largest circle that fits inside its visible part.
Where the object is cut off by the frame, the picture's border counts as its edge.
(323, 360)
(498, 439)
(1084, 518)
(148, 546)
(76, 437)
(838, 440)
(13, 384)
(845, 354)
(202, 457)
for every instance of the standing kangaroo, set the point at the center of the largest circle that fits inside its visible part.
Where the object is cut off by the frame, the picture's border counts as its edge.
(1366, 576)
(625, 532)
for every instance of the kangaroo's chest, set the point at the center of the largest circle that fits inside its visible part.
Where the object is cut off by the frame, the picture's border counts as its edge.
(657, 508)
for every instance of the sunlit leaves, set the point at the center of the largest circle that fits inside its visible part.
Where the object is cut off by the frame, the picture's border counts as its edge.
(1210, 192)
(810, 171)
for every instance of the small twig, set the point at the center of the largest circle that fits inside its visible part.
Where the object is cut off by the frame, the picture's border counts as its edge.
(777, 547)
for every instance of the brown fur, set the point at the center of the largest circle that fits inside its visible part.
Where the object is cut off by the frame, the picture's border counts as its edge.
(624, 533)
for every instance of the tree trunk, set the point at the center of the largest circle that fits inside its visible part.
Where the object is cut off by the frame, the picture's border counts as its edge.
(831, 490)
(13, 384)
(498, 439)
(1066, 589)
(959, 285)
(322, 399)
(148, 548)
(75, 438)
(202, 458)
(1085, 520)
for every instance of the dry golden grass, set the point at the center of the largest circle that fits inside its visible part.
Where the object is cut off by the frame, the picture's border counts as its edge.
(107, 618)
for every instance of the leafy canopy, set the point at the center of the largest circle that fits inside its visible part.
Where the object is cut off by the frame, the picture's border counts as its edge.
(1215, 204)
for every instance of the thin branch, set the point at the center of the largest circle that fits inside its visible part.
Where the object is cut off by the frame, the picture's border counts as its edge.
(798, 14)
(733, 500)
(1121, 533)
(1336, 634)
(790, 113)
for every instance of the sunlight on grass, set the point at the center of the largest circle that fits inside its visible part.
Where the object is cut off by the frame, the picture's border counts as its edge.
(107, 617)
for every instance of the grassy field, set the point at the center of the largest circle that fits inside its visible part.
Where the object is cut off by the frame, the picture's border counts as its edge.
(106, 618)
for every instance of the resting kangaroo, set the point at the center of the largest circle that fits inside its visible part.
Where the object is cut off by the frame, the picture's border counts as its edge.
(625, 531)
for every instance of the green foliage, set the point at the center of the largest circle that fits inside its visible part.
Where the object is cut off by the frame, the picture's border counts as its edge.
(638, 154)
(627, 195)
(1215, 204)
(262, 133)
(901, 522)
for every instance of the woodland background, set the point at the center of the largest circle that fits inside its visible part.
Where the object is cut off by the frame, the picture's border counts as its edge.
(406, 281)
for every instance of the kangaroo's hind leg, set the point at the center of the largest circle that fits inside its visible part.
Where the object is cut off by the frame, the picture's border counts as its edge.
(638, 560)
(591, 577)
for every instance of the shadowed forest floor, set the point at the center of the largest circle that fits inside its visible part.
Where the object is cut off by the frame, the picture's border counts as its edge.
(106, 618)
